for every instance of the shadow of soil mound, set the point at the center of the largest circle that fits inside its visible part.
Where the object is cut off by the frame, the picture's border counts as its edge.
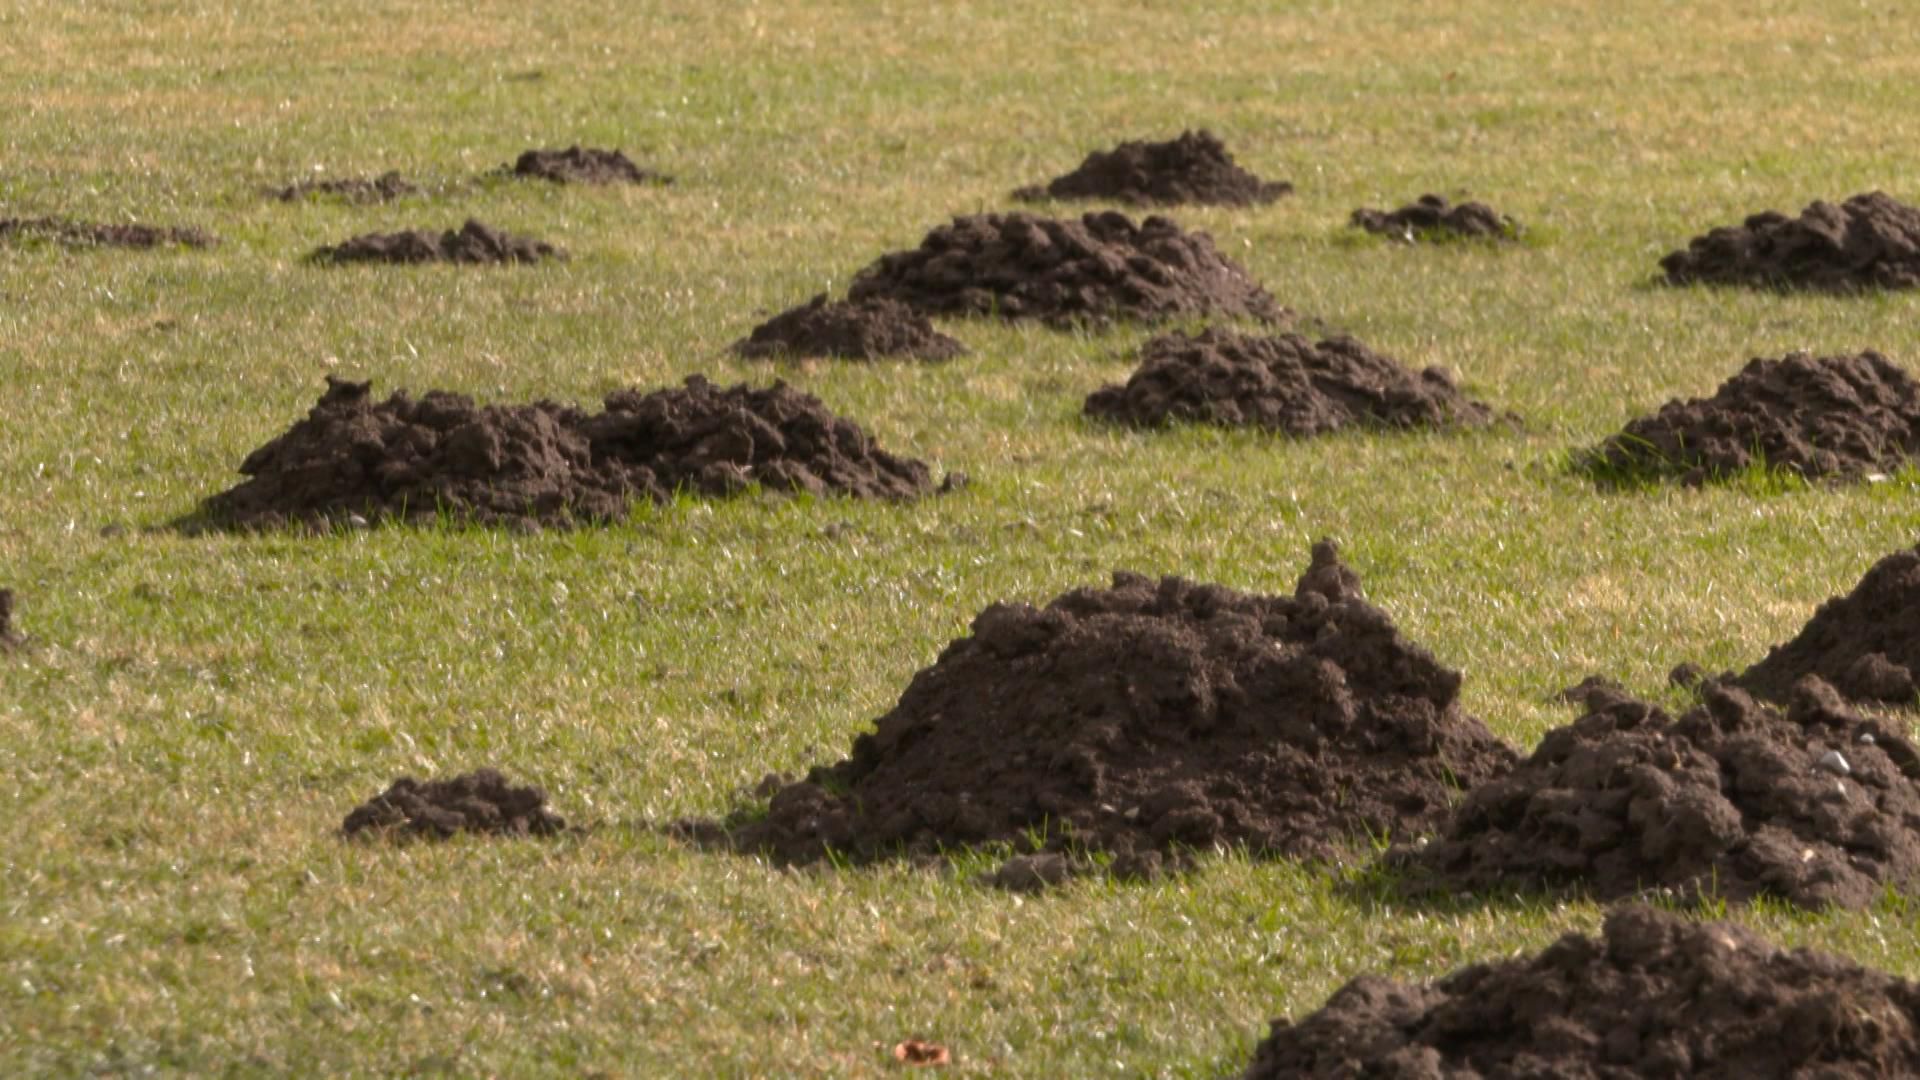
(1866, 643)
(1194, 169)
(88, 234)
(583, 165)
(1432, 219)
(850, 330)
(471, 243)
(1871, 241)
(482, 801)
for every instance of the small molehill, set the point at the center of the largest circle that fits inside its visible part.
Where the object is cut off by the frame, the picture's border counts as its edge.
(87, 234)
(481, 801)
(851, 330)
(471, 243)
(584, 165)
(1194, 169)
(1431, 218)
(1655, 996)
(386, 187)
(10, 636)
(1866, 643)
(1871, 241)
(1734, 799)
(353, 460)
(1096, 269)
(1285, 383)
(1145, 720)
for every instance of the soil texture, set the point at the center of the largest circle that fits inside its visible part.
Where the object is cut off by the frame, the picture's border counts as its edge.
(471, 243)
(1655, 997)
(1871, 241)
(851, 330)
(1866, 643)
(1194, 169)
(91, 234)
(481, 801)
(584, 165)
(386, 187)
(1432, 218)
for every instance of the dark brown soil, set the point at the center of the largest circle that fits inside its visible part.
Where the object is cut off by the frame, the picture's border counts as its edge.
(1832, 416)
(1285, 383)
(10, 637)
(481, 801)
(548, 464)
(1432, 218)
(1866, 643)
(1146, 720)
(471, 243)
(383, 188)
(852, 330)
(584, 165)
(1871, 241)
(1818, 806)
(90, 234)
(1194, 169)
(1656, 997)
(1099, 268)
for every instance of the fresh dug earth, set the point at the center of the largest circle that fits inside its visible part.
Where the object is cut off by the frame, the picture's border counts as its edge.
(1432, 217)
(1871, 241)
(1097, 269)
(1831, 416)
(354, 461)
(383, 188)
(481, 801)
(584, 165)
(1656, 996)
(10, 638)
(90, 234)
(1866, 643)
(1194, 169)
(471, 243)
(1145, 720)
(852, 330)
(1817, 806)
(1285, 383)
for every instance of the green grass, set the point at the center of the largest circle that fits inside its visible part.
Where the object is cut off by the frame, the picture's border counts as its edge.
(200, 712)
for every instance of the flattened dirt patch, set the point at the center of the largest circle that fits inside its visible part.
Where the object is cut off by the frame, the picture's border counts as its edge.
(1194, 169)
(584, 165)
(355, 461)
(1096, 269)
(1871, 241)
(1655, 996)
(1866, 643)
(1432, 218)
(386, 187)
(1815, 806)
(87, 234)
(1285, 383)
(852, 330)
(482, 801)
(471, 243)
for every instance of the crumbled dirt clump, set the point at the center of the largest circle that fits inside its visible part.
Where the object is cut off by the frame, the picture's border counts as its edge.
(1432, 217)
(1866, 643)
(386, 187)
(1817, 806)
(1193, 169)
(1284, 383)
(1147, 719)
(481, 801)
(471, 243)
(1832, 416)
(1096, 269)
(584, 165)
(10, 637)
(1655, 996)
(853, 330)
(548, 464)
(91, 234)
(1871, 241)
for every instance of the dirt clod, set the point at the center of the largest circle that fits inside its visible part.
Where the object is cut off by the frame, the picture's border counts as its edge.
(1194, 169)
(1871, 241)
(86, 234)
(853, 330)
(386, 187)
(1590, 693)
(1655, 996)
(1096, 269)
(471, 243)
(480, 801)
(1866, 643)
(1432, 218)
(548, 464)
(584, 165)
(1284, 383)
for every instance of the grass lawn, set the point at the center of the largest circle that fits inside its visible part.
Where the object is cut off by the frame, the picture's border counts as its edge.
(199, 712)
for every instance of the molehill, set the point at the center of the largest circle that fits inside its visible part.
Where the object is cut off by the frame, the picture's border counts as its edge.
(584, 165)
(91, 234)
(1871, 241)
(471, 243)
(1432, 218)
(1194, 169)
(482, 801)
(1866, 643)
(853, 330)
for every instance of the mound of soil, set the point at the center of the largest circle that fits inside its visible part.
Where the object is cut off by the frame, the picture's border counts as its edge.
(1147, 719)
(10, 638)
(1432, 217)
(91, 234)
(1833, 416)
(1733, 799)
(1099, 268)
(1871, 241)
(1192, 169)
(548, 464)
(481, 801)
(1866, 643)
(1284, 383)
(383, 188)
(471, 243)
(584, 165)
(1655, 996)
(854, 330)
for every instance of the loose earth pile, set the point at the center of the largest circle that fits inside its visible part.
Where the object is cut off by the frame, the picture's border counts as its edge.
(854, 330)
(1655, 996)
(1284, 383)
(10, 638)
(481, 801)
(1192, 169)
(584, 165)
(472, 243)
(1819, 806)
(386, 187)
(1838, 416)
(1147, 719)
(1096, 269)
(1431, 218)
(1871, 241)
(90, 234)
(1867, 643)
(548, 464)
